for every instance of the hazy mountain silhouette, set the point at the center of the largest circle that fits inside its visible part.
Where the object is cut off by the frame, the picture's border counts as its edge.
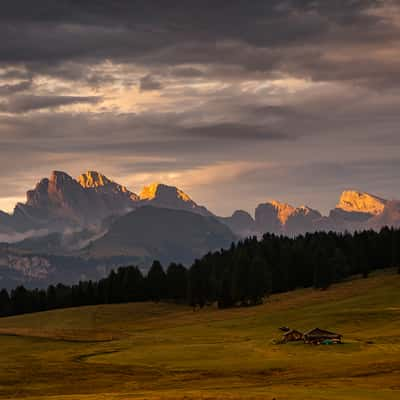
(162, 233)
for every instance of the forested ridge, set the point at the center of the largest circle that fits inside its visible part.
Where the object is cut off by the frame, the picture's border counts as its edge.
(242, 275)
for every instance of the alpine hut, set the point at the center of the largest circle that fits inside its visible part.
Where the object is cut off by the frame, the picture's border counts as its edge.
(292, 336)
(318, 336)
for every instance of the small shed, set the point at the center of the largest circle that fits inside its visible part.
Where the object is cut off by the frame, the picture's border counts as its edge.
(292, 336)
(317, 336)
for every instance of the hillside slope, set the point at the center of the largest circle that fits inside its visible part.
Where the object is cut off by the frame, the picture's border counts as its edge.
(166, 351)
(160, 233)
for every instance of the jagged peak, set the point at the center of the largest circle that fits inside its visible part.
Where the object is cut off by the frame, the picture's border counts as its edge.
(96, 180)
(355, 201)
(156, 189)
(281, 205)
(284, 210)
(91, 179)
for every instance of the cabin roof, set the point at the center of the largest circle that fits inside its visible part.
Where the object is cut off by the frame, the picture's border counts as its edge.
(321, 332)
(292, 331)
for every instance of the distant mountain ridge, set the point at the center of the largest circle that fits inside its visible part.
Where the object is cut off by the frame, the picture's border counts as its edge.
(354, 211)
(61, 202)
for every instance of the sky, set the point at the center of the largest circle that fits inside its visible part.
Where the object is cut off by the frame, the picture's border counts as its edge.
(235, 102)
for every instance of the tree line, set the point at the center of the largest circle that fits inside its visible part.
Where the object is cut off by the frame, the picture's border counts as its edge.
(242, 275)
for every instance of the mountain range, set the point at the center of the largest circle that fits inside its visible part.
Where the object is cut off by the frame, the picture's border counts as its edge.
(61, 202)
(354, 211)
(94, 223)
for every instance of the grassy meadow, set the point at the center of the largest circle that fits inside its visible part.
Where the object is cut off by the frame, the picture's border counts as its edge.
(167, 351)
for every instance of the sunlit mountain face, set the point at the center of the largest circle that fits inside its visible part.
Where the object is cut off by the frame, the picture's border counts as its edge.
(233, 102)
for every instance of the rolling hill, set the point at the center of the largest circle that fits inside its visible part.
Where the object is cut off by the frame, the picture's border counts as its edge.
(166, 351)
(162, 233)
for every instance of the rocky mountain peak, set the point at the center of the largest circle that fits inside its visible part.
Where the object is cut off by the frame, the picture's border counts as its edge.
(284, 210)
(92, 179)
(51, 190)
(159, 190)
(100, 183)
(282, 218)
(354, 201)
(149, 192)
(160, 195)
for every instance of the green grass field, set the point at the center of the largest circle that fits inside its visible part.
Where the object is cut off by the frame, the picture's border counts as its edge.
(165, 351)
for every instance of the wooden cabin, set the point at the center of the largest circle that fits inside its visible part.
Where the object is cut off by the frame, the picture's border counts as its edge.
(318, 336)
(292, 336)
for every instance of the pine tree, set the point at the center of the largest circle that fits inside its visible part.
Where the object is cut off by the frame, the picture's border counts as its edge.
(176, 282)
(241, 276)
(197, 285)
(51, 297)
(323, 275)
(132, 283)
(394, 247)
(339, 265)
(20, 300)
(156, 282)
(259, 284)
(5, 305)
(225, 299)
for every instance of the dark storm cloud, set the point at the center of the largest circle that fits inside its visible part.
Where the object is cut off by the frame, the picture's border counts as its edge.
(157, 132)
(230, 131)
(13, 73)
(26, 103)
(222, 19)
(14, 88)
(253, 36)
